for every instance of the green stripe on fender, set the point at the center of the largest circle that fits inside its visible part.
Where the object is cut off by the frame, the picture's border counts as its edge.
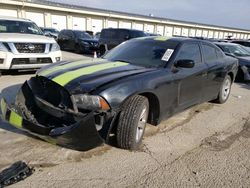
(16, 119)
(67, 66)
(65, 78)
(3, 108)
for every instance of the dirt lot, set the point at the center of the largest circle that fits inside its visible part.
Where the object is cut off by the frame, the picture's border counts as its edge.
(205, 146)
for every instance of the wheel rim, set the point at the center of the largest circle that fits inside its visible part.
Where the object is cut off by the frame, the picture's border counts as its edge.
(142, 123)
(226, 89)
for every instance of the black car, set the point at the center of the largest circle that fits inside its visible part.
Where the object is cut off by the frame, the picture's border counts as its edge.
(242, 54)
(112, 37)
(51, 32)
(242, 42)
(81, 104)
(78, 41)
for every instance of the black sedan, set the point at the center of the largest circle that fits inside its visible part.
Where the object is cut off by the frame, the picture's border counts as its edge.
(81, 104)
(77, 41)
(242, 54)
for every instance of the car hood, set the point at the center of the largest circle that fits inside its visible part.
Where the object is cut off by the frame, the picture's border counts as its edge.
(87, 75)
(244, 60)
(16, 37)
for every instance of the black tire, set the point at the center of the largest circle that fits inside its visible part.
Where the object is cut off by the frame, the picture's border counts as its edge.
(130, 130)
(223, 94)
(78, 49)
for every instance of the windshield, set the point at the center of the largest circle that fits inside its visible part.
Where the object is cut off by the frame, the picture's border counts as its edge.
(236, 50)
(81, 34)
(9, 26)
(147, 53)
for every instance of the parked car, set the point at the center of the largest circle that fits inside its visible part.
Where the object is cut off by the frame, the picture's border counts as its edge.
(78, 41)
(97, 35)
(242, 54)
(242, 42)
(112, 37)
(51, 32)
(23, 45)
(81, 104)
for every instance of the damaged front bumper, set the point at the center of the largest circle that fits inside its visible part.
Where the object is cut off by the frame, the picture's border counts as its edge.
(30, 114)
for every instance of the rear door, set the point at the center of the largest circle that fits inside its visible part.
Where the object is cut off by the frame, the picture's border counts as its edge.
(214, 59)
(190, 80)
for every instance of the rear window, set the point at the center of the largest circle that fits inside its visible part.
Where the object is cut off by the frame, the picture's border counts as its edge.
(114, 33)
(136, 34)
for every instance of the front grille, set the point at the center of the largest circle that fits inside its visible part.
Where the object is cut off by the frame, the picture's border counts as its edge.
(30, 47)
(21, 61)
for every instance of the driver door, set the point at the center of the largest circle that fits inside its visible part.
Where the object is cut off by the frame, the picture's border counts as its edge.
(189, 80)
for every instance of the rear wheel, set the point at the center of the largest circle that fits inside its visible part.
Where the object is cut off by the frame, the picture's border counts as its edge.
(132, 122)
(225, 90)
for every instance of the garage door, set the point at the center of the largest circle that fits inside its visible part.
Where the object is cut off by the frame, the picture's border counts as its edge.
(198, 33)
(160, 30)
(177, 31)
(79, 23)
(169, 31)
(210, 34)
(192, 33)
(97, 25)
(184, 32)
(150, 28)
(59, 22)
(138, 26)
(126, 25)
(225, 35)
(4, 12)
(216, 34)
(205, 33)
(112, 24)
(221, 35)
(38, 18)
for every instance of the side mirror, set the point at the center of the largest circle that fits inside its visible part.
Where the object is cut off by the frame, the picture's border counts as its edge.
(185, 63)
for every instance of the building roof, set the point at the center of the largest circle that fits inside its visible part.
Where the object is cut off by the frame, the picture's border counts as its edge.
(79, 7)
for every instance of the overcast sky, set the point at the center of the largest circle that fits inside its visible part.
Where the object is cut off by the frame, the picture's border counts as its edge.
(231, 13)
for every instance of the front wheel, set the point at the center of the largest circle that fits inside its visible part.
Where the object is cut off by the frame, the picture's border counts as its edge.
(132, 122)
(225, 90)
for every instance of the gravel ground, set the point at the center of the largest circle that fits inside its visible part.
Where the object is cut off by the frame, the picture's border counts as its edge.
(205, 146)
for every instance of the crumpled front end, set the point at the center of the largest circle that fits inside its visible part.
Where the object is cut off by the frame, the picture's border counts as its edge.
(46, 110)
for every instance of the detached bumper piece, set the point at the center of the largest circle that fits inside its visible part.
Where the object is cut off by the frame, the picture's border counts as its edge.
(15, 173)
(41, 118)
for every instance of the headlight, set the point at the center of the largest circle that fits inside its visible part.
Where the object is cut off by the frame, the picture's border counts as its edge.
(3, 48)
(91, 102)
(55, 47)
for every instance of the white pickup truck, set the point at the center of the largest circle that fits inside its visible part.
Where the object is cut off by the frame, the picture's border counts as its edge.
(24, 46)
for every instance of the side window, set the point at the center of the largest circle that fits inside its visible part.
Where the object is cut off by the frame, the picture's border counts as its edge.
(122, 34)
(191, 52)
(209, 53)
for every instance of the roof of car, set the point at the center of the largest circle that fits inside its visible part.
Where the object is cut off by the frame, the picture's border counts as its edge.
(176, 39)
(14, 19)
(225, 44)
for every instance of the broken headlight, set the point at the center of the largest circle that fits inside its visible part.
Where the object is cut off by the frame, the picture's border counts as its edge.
(91, 102)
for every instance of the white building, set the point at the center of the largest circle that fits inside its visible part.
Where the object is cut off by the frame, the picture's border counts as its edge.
(62, 16)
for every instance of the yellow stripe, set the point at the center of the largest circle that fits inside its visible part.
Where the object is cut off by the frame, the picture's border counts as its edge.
(65, 78)
(3, 108)
(16, 119)
(68, 65)
(162, 38)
